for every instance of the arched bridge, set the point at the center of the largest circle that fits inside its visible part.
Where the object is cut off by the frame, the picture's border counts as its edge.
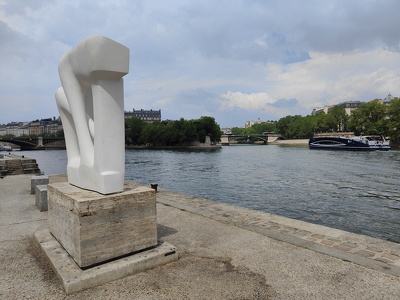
(36, 143)
(263, 138)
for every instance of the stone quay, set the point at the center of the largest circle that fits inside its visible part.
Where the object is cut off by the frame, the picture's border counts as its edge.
(226, 252)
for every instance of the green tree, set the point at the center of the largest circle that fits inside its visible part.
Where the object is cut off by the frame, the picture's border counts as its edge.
(394, 120)
(338, 119)
(238, 130)
(287, 126)
(206, 126)
(304, 127)
(133, 130)
(181, 132)
(369, 118)
(258, 128)
(321, 122)
(60, 133)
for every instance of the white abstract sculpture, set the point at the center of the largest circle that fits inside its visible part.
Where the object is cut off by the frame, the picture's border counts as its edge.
(91, 106)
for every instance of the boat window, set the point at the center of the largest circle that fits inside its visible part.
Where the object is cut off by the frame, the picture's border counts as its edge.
(327, 142)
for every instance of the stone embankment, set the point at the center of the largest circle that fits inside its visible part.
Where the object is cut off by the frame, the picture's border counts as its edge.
(226, 252)
(296, 142)
(11, 164)
(374, 253)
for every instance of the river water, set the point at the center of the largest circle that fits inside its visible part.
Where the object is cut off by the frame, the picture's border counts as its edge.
(353, 191)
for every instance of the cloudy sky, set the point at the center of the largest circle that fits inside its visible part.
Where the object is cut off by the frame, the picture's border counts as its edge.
(234, 60)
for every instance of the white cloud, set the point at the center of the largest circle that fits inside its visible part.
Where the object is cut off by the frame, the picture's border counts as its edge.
(327, 78)
(163, 102)
(227, 58)
(323, 79)
(254, 101)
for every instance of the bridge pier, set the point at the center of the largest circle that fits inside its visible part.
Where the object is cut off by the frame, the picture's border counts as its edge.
(40, 141)
(225, 141)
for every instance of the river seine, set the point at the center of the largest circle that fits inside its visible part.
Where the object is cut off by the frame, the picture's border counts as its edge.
(353, 191)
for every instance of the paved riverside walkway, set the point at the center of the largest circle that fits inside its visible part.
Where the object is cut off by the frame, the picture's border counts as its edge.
(226, 252)
(381, 255)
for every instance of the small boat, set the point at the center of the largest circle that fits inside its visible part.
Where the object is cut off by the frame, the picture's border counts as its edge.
(5, 148)
(364, 143)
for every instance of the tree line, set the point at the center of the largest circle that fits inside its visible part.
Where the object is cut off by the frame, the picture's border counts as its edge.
(371, 118)
(171, 133)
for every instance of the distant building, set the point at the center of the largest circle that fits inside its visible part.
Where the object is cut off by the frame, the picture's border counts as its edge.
(388, 98)
(251, 123)
(53, 127)
(149, 116)
(350, 106)
(324, 109)
(2, 130)
(38, 128)
(226, 130)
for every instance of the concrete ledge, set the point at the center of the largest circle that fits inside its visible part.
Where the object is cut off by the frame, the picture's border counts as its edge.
(74, 279)
(41, 197)
(366, 251)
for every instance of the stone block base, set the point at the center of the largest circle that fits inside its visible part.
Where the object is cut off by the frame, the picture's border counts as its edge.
(94, 228)
(74, 279)
(38, 180)
(41, 197)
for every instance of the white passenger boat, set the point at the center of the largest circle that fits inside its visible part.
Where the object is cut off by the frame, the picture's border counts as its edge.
(366, 143)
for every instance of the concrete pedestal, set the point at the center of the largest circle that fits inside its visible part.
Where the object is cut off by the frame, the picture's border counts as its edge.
(94, 228)
(41, 197)
(38, 180)
(74, 279)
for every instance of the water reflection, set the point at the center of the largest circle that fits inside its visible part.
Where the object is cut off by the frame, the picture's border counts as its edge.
(345, 190)
(352, 191)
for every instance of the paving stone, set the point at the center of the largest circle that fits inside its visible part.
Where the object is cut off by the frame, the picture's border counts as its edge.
(333, 239)
(349, 245)
(318, 236)
(254, 223)
(254, 220)
(264, 225)
(305, 232)
(365, 253)
(274, 228)
(374, 249)
(390, 256)
(341, 247)
(327, 242)
(312, 239)
(385, 260)
(289, 228)
(299, 234)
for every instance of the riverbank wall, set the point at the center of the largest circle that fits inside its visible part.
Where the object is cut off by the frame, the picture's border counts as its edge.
(226, 252)
(201, 148)
(295, 142)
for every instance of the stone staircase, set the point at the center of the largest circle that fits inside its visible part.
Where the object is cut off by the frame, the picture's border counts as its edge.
(3, 168)
(15, 165)
(30, 166)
